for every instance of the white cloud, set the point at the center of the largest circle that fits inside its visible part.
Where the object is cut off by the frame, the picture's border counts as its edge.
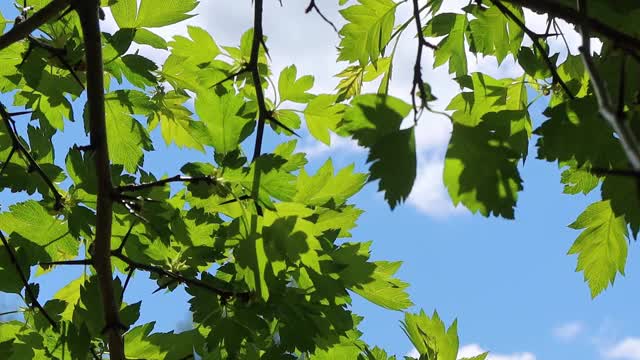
(627, 349)
(568, 331)
(429, 195)
(339, 145)
(475, 349)
(472, 350)
(413, 353)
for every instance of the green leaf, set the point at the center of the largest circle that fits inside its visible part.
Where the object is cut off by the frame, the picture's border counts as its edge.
(325, 188)
(578, 119)
(175, 121)
(451, 49)
(374, 121)
(127, 138)
(623, 193)
(70, 294)
(292, 89)
(146, 37)
(225, 120)
(323, 114)
(601, 247)
(480, 168)
(394, 162)
(152, 13)
(45, 237)
(200, 49)
(492, 33)
(578, 180)
(383, 289)
(10, 281)
(429, 335)
(368, 30)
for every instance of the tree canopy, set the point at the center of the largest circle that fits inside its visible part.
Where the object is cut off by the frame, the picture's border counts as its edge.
(260, 243)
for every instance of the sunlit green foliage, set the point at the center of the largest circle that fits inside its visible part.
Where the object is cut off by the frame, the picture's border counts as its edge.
(261, 243)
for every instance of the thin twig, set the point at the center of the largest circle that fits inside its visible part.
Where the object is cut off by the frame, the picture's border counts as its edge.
(177, 178)
(229, 77)
(126, 282)
(312, 6)
(278, 123)
(26, 27)
(535, 38)
(25, 282)
(88, 10)
(177, 277)
(126, 237)
(67, 262)
(32, 162)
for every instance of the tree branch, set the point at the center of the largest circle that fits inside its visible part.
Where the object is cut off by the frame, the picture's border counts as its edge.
(17, 144)
(571, 15)
(177, 178)
(535, 38)
(177, 277)
(25, 282)
(89, 19)
(312, 6)
(67, 262)
(255, 75)
(26, 27)
(607, 109)
(418, 84)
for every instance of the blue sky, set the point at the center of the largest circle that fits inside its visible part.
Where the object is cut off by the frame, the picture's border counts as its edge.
(510, 283)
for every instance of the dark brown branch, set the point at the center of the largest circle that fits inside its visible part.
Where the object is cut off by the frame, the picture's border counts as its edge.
(126, 283)
(10, 312)
(312, 6)
(17, 144)
(177, 178)
(557, 9)
(67, 262)
(177, 277)
(535, 38)
(25, 282)
(280, 124)
(19, 113)
(26, 27)
(231, 76)
(255, 75)
(88, 10)
(126, 237)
